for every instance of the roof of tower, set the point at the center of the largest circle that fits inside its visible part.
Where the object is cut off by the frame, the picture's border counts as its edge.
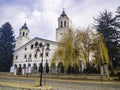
(63, 13)
(24, 26)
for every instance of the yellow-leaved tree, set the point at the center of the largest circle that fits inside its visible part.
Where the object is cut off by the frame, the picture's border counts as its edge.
(103, 51)
(83, 42)
(66, 51)
(74, 48)
(100, 50)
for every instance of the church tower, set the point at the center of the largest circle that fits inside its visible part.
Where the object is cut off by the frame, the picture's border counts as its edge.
(23, 36)
(63, 25)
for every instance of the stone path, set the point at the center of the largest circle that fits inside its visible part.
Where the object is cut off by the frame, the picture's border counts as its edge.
(81, 86)
(66, 84)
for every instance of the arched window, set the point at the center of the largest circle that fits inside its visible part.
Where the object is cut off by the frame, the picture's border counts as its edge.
(40, 44)
(24, 65)
(30, 56)
(34, 65)
(15, 65)
(61, 67)
(31, 46)
(19, 65)
(64, 23)
(35, 68)
(36, 44)
(23, 33)
(29, 64)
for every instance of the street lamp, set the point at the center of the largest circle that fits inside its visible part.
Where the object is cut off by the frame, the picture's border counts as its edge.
(42, 52)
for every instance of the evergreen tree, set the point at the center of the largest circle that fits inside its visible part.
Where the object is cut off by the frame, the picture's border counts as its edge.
(6, 46)
(104, 24)
(118, 17)
(117, 25)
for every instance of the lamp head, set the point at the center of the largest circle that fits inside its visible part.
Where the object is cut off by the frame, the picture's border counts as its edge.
(38, 49)
(48, 49)
(40, 45)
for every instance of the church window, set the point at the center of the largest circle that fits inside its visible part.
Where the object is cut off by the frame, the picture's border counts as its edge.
(61, 24)
(23, 33)
(24, 65)
(40, 44)
(31, 46)
(15, 65)
(64, 23)
(29, 64)
(26, 34)
(30, 56)
(36, 44)
(16, 57)
(25, 49)
(25, 56)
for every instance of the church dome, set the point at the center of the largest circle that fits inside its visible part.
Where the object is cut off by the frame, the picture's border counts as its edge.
(24, 26)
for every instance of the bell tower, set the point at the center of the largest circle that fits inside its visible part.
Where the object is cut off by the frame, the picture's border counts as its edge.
(63, 25)
(23, 36)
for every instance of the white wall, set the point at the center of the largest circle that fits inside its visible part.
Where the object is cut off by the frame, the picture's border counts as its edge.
(22, 52)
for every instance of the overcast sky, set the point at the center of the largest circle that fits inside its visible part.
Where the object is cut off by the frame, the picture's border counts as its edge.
(41, 15)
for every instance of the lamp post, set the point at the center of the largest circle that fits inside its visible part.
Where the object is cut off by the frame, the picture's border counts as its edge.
(45, 72)
(42, 52)
(28, 60)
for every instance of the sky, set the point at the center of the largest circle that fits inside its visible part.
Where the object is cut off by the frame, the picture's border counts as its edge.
(41, 15)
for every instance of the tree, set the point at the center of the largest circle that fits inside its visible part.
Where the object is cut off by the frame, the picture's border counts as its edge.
(117, 17)
(73, 49)
(83, 39)
(6, 46)
(100, 53)
(66, 51)
(117, 25)
(103, 51)
(104, 24)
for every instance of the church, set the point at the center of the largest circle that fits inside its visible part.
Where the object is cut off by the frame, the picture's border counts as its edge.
(26, 53)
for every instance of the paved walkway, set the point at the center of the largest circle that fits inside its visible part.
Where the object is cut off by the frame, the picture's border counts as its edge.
(60, 84)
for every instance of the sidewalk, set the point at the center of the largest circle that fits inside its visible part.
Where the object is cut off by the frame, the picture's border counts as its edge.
(64, 76)
(110, 82)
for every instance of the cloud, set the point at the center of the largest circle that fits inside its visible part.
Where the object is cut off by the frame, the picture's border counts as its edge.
(41, 15)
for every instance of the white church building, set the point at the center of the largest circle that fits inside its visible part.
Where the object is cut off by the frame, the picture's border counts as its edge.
(25, 48)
